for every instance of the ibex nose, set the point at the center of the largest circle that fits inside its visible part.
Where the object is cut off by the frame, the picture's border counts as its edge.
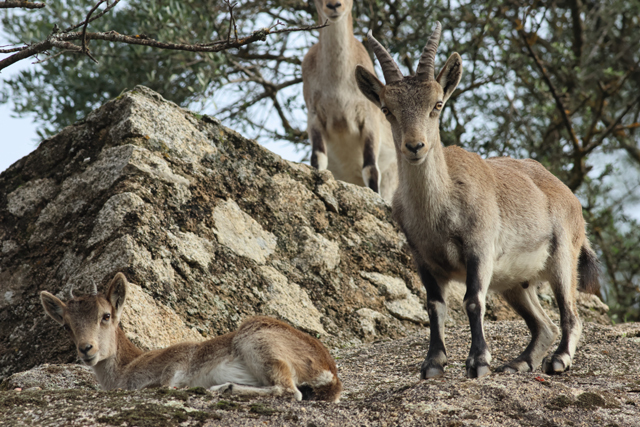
(84, 350)
(414, 147)
(334, 6)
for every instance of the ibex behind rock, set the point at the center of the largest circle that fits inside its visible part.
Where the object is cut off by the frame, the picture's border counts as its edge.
(349, 136)
(263, 357)
(499, 223)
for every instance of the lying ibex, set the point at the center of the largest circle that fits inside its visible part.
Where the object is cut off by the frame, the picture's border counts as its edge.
(349, 136)
(263, 357)
(499, 223)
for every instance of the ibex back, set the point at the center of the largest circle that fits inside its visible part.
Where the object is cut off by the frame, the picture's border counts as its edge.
(499, 223)
(263, 357)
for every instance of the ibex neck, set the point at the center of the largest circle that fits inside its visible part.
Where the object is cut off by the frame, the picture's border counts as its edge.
(336, 42)
(109, 371)
(427, 184)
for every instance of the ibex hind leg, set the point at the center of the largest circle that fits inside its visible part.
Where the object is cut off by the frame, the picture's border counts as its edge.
(280, 375)
(319, 158)
(276, 373)
(524, 300)
(564, 286)
(257, 353)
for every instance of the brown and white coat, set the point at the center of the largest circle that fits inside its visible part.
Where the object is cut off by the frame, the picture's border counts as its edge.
(500, 223)
(263, 357)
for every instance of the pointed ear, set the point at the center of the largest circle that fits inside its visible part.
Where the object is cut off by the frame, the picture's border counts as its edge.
(117, 293)
(53, 306)
(450, 75)
(369, 85)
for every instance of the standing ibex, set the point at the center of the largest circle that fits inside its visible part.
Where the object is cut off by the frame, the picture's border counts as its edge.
(499, 223)
(263, 357)
(349, 136)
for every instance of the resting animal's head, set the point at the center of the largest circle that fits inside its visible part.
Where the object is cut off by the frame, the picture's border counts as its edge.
(412, 104)
(91, 320)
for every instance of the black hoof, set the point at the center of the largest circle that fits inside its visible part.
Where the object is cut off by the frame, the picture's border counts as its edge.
(478, 371)
(431, 370)
(556, 364)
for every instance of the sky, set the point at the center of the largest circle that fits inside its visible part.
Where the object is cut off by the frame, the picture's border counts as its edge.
(17, 135)
(17, 138)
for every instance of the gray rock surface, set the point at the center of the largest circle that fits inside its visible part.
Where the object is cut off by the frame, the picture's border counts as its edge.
(400, 302)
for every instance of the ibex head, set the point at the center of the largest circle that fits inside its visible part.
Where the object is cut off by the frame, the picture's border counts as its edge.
(91, 320)
(333, 10)
(412, 104)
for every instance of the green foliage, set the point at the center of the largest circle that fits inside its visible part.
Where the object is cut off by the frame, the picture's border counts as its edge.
(556, 81)
(66, 88)
(618, 237)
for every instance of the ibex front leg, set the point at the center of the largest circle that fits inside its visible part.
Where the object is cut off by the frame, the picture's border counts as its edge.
(478, 278)
(436, 360)
(319, 158)
(370, 171)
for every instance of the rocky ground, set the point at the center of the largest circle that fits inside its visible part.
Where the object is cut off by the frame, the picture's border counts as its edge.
(381, 389)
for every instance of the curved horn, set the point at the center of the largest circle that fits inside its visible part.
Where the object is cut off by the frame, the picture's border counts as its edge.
(389, 67)
(71, 294)
(426, 66)
(94, 289)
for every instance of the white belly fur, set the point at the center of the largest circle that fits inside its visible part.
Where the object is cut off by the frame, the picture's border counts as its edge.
(515, 268)
(227, 371)
(345, 155)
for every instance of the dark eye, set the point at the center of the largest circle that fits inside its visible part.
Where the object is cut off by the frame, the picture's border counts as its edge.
(106, 317)
(67, 328)
(386, 111)
(439, 105)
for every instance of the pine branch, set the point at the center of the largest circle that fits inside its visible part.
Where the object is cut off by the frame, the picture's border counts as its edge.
(62, 39)
(55, 38)
(21, 4)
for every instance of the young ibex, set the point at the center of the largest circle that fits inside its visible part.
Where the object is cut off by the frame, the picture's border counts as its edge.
(499, 223)
(263, 357)
(349, 136)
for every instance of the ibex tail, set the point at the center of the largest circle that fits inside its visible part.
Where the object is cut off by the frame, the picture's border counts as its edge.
(588, 270)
